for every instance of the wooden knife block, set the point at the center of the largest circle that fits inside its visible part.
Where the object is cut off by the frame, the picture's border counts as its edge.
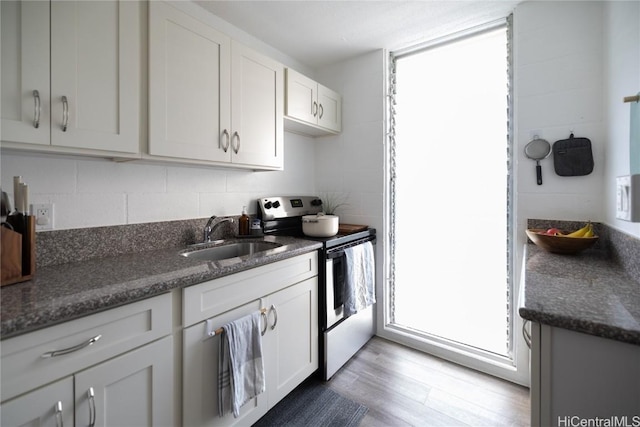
(18, 251)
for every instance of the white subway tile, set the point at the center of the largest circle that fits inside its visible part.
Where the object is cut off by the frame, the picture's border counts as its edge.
(44, 174)
(96, 176)
(153, 207)
(192, 179)
(88, 210)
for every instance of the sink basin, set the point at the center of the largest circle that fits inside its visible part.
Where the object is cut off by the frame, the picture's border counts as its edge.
(217, 253)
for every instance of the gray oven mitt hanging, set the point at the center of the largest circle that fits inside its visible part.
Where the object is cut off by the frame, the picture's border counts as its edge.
(573, 156)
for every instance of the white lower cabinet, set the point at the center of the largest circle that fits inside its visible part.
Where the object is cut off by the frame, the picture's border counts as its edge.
(134, 389)
(122, 378)
(577, 378)
(290, 341)
(121, 367)
(51, 405)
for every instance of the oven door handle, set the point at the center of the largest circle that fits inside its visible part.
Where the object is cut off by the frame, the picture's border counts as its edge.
(335, 254)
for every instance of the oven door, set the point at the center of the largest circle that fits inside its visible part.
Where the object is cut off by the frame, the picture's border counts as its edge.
(334, 284)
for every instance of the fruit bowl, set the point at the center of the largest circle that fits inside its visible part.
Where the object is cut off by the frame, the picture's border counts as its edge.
(560, 244)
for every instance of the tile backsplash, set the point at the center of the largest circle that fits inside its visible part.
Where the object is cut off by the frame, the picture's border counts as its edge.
(83, 244)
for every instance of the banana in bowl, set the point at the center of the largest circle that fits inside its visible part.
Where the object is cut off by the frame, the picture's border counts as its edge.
(556, 241)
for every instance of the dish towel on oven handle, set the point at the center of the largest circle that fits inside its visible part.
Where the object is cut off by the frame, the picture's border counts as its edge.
(359, 280)
(240, 365)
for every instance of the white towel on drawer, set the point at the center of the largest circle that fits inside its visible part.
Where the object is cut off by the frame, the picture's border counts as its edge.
(359, 280)
(240, 366)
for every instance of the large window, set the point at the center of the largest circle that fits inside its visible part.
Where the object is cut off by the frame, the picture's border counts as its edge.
(450, 194)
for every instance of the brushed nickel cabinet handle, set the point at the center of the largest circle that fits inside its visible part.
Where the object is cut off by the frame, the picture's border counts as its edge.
(314, 110)
(36, 109)
(236, 136)
(265, 319)
(80, 346)
(321, 111)
(275, 316)
(58, 409)
(65, 113)
(92, 407)
(225, 147)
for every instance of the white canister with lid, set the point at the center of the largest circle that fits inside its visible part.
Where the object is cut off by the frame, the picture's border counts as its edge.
(320, 225)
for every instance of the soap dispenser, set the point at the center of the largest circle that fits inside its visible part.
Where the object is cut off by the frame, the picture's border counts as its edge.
(243, 223)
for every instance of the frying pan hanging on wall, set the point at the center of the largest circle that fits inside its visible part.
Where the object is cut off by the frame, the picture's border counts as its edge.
(573, 156)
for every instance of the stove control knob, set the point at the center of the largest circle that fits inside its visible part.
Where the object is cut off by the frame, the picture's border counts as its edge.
(267, 205)
(316, 202)
(276, 204)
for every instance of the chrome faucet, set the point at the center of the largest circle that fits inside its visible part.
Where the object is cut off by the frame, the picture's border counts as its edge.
(208, 229)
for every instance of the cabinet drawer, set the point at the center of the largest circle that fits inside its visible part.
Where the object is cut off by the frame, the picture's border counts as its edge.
(214, 297)
(25, 365)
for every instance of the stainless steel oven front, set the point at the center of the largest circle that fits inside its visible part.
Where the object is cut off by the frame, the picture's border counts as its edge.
(340, 337)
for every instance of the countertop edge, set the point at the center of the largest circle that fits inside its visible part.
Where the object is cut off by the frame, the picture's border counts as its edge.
(117, 294)
(540, 304)
(579, 325)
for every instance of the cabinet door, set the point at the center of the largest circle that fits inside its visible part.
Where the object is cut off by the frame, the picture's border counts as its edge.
(293, 332)
(25, 69)
(256, 108)
(189, 89)
(41, 407)
(200, 375)
(302, 97)
(329, 109)
(95, 66)
(135, 389)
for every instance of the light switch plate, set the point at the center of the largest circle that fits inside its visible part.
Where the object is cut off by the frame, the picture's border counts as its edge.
(628, 198)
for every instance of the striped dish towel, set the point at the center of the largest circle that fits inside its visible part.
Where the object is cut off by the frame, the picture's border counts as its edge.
(240, 366)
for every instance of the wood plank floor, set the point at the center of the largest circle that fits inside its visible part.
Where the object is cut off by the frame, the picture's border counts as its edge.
(405, 387)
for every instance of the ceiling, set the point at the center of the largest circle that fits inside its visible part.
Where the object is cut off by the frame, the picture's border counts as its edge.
(319, 33)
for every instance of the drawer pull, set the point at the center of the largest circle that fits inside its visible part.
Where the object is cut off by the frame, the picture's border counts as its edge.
(58, 409)
(56, 353)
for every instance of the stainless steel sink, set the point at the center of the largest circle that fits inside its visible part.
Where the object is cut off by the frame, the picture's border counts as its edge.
(232, 250)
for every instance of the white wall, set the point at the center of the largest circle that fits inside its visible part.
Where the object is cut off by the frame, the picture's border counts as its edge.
(351, 164)
(621, 78)
(95, 192)
(558, 89)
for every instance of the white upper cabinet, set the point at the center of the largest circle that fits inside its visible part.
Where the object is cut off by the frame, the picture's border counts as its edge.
(311, 108)
(95, 66)
(25, 72)
(210, 98)
(189, 91)
(71, 74)
(257, 98)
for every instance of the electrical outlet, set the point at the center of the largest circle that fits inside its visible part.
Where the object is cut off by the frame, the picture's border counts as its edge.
(44, 216)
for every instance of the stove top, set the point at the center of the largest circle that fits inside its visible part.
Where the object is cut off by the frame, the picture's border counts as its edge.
(282, 215)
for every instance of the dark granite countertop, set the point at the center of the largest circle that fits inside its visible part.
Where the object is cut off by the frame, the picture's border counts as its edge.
(586, 292)
(63, 292)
